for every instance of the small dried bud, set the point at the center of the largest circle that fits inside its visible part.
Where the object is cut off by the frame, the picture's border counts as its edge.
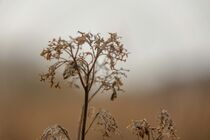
(114, 95)
(81, 40)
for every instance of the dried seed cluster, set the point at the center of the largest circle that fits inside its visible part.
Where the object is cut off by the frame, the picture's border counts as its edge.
(141, 128)
(166, 126)
(55, 132)
(107, 124)
(88, 58)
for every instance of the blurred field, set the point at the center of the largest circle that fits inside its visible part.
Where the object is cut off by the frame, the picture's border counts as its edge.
(169, 42)
(28, 106)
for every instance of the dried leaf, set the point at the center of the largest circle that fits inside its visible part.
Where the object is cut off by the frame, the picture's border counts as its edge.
(114, 95)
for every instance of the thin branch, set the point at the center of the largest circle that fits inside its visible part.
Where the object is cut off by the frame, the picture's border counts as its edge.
(80, 76)
(61, 63)
(85, 63)
(91, 123)
(96, 58)
(89, 42)
(77, 51)
(92, 79)
(68, 52)
(94, 94)
(83, 69)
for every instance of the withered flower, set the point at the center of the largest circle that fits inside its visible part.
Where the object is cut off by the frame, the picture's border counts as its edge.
(80, 59)
(107, 124)
(87, 60)
(140, 128)
(55, 132)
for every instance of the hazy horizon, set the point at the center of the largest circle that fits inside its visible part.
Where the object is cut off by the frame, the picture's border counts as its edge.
(169, 41)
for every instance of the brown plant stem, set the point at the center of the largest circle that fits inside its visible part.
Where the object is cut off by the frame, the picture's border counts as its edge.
(81, 116)
(92, 123)
(149, 136)
(94, 94)
(80, 124)
(84, 119)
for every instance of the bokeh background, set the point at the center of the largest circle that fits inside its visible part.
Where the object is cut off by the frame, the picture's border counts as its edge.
(169, 41)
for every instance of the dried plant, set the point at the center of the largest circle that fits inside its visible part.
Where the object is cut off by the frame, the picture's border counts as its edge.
(55, 132)
(105, 123)
(87, 60)
(141, 128)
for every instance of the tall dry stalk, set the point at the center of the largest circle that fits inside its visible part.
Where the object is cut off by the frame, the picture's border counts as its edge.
(87, 60)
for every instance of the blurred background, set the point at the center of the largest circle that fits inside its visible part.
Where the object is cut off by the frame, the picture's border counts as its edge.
(169, 41)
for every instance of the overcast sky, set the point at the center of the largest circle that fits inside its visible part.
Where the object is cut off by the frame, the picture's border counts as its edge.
(166, 38)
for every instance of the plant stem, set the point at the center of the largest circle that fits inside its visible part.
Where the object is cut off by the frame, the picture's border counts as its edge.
(149, 136)
(85, 114)
(80, 124)
(92, 123)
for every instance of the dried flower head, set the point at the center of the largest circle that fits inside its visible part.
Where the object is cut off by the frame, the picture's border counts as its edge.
(106, 123)
(55, 132)
(141, 128)
(88, 58)
(166, 126)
